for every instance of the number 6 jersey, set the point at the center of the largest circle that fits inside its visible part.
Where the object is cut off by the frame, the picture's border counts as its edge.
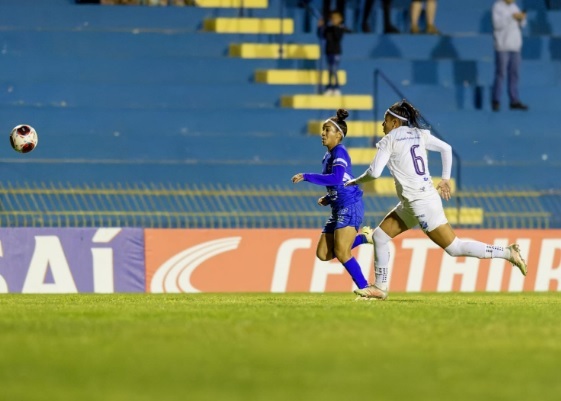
(404, 150)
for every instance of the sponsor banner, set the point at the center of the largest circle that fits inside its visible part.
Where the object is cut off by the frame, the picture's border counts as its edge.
(70, 260)
(279, 260)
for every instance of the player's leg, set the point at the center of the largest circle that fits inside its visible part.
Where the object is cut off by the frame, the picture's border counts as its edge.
(397, 221)
(344, 238)
(445, 237)
(324, 250)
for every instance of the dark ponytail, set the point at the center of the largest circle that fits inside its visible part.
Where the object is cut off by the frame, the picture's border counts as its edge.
(406, 110)
(339, 119)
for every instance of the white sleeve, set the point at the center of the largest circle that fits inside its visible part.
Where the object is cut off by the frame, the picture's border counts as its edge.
(376, 167)
(436, 145)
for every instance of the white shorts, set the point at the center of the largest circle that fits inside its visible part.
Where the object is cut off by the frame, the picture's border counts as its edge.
(427, 213)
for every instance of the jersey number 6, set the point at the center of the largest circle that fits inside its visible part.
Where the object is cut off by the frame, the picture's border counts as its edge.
(418, 161)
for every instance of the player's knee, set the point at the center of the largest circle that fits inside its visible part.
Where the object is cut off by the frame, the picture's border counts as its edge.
(343, 254)
(380, 237)
(324, 255)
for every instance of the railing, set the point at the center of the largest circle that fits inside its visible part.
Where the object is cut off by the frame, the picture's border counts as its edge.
(161, 205)
(457, 160)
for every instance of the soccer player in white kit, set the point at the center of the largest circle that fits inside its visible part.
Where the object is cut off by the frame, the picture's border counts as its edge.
(404, 150)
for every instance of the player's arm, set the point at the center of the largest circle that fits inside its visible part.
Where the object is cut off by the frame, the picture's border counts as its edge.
(335, 178)
(436, 145)
(374, 170)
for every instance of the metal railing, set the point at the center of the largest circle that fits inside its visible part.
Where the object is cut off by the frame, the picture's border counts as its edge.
(160, 205)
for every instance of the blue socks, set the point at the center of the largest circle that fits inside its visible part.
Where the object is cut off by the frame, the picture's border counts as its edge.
(359, 240)
(353, 268)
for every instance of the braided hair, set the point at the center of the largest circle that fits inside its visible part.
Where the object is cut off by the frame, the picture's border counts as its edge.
(339, 120)
(408, 114)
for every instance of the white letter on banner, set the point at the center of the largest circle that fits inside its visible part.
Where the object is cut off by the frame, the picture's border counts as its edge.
(102, 258)
(283, 261)
(3, 284)
(418, 261)
(450, 267)
(547, 272)
(516, 282)
(48, 252)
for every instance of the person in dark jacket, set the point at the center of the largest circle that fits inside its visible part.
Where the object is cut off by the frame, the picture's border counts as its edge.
(332, 34)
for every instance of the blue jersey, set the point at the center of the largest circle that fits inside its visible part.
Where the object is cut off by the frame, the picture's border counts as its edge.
(337, 170)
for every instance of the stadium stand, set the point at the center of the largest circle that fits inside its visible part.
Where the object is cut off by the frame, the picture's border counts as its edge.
(198, 116)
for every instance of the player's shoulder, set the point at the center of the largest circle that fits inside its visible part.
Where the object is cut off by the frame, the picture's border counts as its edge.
(339, 150)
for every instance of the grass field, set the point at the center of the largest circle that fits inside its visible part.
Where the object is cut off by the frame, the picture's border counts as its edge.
(280, 347)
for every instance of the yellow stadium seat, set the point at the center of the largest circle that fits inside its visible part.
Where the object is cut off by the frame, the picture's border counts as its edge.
(321, 102)
(230, 3)
(354, 128)
(249, 25)
(296, 77)
(272, 51)
(361, 156)
(468, 215)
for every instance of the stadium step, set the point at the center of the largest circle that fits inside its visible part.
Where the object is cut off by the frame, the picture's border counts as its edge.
(321, 102)
(354, 128)
(296, 77)
(273, 51)
(249, 25)
(467, 215)
(362, 156)
(230, 3)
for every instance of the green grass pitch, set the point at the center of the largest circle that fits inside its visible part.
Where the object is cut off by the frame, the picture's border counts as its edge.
(280, 347)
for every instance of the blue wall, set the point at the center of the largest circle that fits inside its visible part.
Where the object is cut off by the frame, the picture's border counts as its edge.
(140, 94)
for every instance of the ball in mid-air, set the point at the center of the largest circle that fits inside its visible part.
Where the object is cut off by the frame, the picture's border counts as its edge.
(23, 138)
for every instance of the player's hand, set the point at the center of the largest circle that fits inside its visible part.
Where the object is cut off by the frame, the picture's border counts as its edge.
(351, 182)
(444, 189)
(323, 201)
(297, 178)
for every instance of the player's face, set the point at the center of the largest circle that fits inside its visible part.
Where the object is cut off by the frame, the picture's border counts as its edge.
(330, 135)
(389, 123)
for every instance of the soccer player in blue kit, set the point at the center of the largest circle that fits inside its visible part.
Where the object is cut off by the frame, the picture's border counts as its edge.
(339, 235)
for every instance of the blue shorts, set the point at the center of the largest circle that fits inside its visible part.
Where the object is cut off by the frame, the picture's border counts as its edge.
(350, 216)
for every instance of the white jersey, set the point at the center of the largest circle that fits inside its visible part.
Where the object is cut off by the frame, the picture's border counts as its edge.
(404, 151)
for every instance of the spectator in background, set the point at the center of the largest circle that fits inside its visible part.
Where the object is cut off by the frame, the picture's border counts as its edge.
(430, 14)
(508, 21)
(332, 33)
(328, 9)
(387, 5)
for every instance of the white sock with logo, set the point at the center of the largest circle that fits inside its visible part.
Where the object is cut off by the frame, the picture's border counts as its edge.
(381, 258)
(476, 249)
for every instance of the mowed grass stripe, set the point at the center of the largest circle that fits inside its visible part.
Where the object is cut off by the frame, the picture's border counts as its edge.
(280, 347)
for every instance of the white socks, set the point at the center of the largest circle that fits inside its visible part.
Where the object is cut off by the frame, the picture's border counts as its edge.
(477, 249)
(381, 258)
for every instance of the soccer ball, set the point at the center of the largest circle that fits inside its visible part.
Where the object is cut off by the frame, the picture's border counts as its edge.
(23, 138)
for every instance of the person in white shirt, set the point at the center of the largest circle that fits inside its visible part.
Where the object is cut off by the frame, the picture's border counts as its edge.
(404, 150)
(508, 22)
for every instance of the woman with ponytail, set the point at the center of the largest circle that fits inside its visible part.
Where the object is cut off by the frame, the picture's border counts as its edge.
(404, 150)
(339, 235)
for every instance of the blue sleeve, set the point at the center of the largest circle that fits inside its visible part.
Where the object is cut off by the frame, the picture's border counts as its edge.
(335, 178)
